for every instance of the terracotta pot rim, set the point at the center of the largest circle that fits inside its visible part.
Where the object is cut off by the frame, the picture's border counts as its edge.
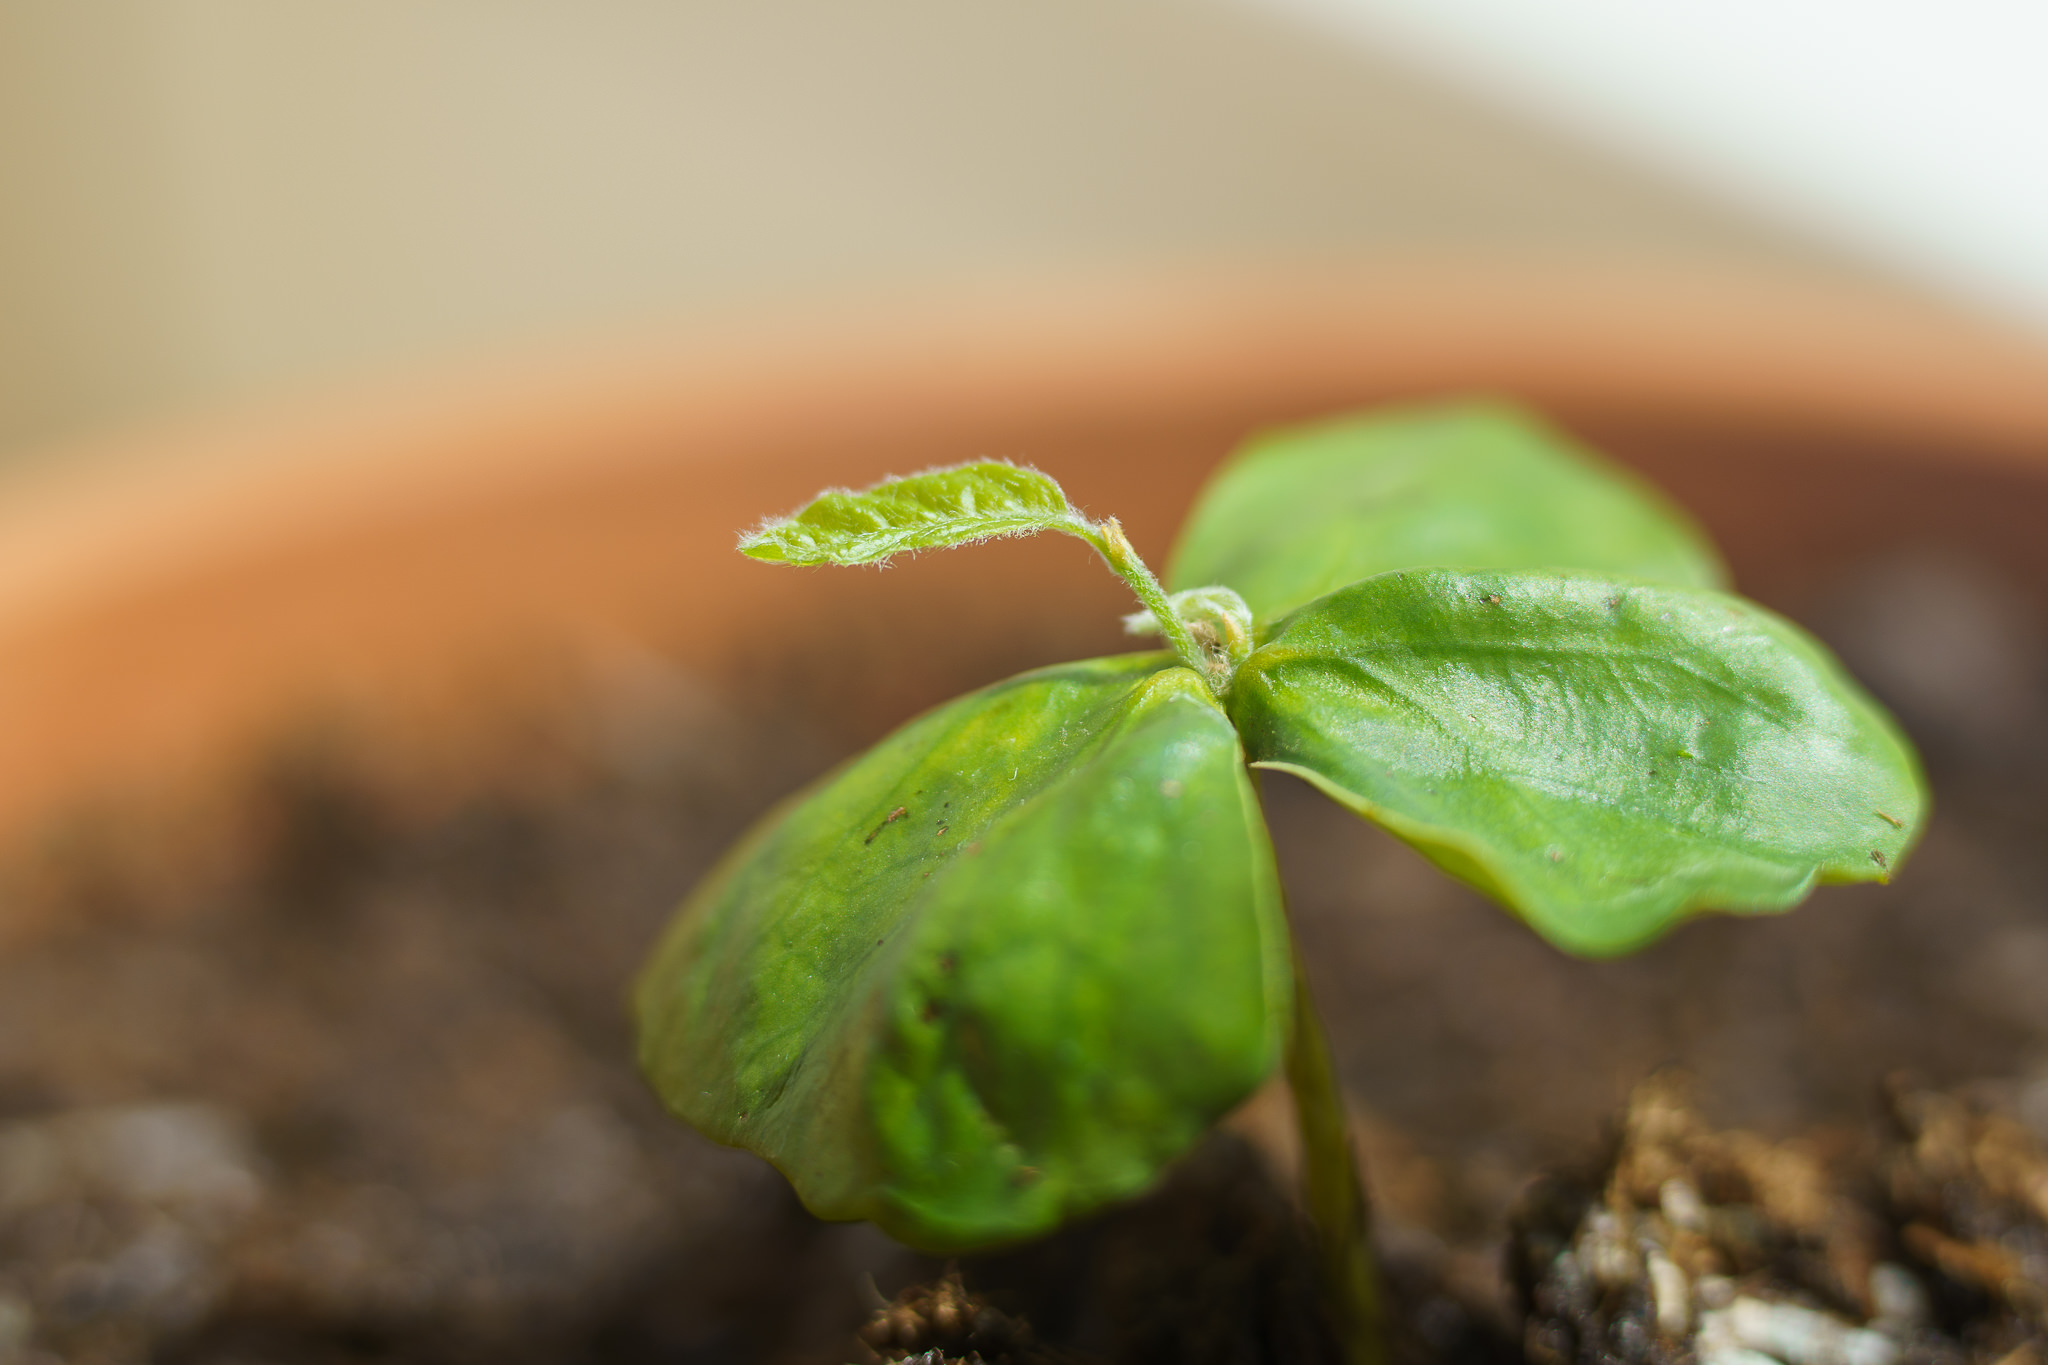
(194, 539)
(1712, 344)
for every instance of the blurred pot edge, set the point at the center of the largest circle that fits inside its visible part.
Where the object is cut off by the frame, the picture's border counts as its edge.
(172, 601)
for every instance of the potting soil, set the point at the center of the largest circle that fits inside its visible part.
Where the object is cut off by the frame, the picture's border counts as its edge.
(371, 1097)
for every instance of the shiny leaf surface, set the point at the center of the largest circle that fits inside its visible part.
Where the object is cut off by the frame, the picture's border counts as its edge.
(939, 507)
(1603, 758)
(1311, 509)
(995, 972)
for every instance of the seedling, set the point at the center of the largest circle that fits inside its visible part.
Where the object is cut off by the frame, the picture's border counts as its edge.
(1006, 966)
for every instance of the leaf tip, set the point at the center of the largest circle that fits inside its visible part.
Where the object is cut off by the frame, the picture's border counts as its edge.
(763, 544)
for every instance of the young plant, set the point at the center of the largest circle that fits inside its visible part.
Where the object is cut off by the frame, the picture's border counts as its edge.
(1004, 967)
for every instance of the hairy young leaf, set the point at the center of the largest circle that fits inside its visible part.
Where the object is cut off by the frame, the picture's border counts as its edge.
(1603, 758)
(938, 507)
(1307, 510)
(997, 971)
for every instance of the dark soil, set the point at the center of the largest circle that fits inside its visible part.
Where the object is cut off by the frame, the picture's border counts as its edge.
(370, 1099)
(1926, 1241)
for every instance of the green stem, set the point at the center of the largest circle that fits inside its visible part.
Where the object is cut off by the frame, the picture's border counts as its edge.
(1340, 1220)
(1108, 537)
(1339, 1217)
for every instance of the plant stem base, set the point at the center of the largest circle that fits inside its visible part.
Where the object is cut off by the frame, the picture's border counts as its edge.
(1332, 1194)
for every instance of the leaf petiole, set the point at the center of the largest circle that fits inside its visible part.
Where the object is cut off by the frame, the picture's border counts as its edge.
(1115, 547)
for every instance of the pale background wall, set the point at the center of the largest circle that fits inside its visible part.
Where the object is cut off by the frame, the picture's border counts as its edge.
(1912, 132)
(207, 202)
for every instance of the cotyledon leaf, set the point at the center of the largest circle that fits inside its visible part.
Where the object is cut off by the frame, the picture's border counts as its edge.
(1306, 510)
(939, 507)
(995, 972)
(1602, 757)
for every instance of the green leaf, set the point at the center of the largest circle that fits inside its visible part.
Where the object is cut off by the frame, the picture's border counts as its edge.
(1307, 510)
(939, 507)
(1603, 758)
(997, 971)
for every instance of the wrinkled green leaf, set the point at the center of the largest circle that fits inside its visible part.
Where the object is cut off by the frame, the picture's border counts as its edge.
(1603, 758)
(997, 971)
(1310, 509)
(939, 507)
